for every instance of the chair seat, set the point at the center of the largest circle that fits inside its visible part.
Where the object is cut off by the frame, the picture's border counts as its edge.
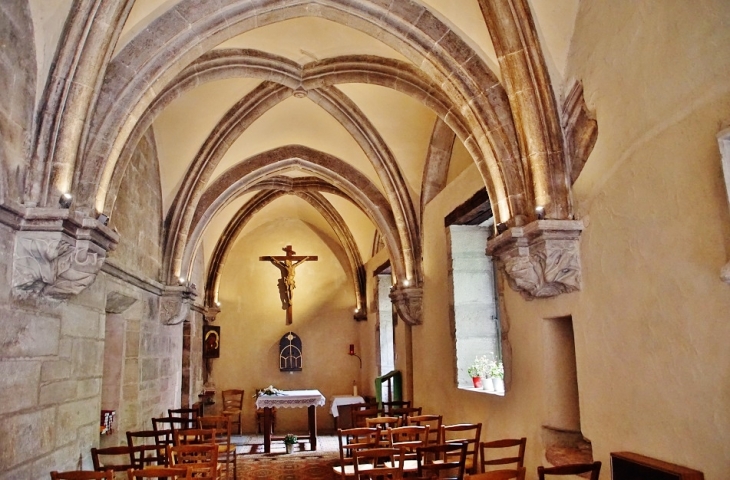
(408, 465)
(350, 469)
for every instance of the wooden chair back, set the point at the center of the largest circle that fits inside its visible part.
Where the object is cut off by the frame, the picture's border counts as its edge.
(118, 459)
(517, 445)
(409, 438)
(468, 433)
(189, 413)
(145, 456)
(233, 406)
(389, 406)
(507, 474)
(447, 460)
(572, 469)
(160, 439)
(201, 459)
(227, 454)
(404, 412)
(352, 439)
(378, 463)
(173, 424)
(434, 426)
(82, 475)
(195, 436)
(359, 415)
(170, 473)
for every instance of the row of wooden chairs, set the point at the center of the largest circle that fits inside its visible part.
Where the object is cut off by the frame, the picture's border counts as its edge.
(171, 473)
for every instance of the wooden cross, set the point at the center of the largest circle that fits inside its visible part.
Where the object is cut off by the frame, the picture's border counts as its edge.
(287, 264)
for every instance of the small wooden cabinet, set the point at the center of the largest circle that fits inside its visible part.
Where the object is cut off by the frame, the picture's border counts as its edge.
(632, 466)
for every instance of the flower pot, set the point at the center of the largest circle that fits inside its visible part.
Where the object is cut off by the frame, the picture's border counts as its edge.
(477, 382)
(488, 384)
(289, 447)
(498, 384)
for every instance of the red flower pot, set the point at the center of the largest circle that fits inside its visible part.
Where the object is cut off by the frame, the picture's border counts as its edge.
(477, 382)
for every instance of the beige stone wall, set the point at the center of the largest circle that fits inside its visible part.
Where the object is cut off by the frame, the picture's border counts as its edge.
(252, 320)
(138, 212)
(651, 319)
(17, 96)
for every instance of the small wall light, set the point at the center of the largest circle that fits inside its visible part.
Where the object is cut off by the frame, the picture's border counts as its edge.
(181, 280)
(65, 200)
(540, 212)
(353, 354)
(406, 282)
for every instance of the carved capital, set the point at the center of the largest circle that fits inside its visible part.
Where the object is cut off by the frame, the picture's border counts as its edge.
(541, 259)
(408, 302)
(175, 304)
(210, 313)
(57, 253)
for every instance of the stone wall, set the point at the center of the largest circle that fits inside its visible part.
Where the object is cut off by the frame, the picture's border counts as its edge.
(17, 95)
(50, 377)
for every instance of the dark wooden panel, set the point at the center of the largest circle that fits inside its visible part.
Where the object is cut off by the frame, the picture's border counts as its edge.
(632, 466)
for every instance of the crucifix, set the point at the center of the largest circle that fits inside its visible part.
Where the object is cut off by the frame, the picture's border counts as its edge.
(287, 264)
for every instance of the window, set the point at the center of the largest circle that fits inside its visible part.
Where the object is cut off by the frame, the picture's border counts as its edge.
(475, 307)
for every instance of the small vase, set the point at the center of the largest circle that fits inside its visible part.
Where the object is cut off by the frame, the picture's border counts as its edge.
(289, 448)
(498, 384)
(489, 384)
(477, 382)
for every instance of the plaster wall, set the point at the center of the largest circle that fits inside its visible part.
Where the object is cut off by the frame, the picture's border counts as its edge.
(650, 322)
(252, 321)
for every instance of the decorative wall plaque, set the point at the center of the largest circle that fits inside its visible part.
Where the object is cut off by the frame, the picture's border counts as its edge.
(211, 341)
(290, 353)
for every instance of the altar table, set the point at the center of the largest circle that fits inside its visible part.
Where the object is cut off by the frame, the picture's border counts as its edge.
(291, 399)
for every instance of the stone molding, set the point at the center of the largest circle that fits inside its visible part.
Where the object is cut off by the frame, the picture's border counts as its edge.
(580, 130)
(408, 302)
(176, 303)
(541, 259)
(57, 252)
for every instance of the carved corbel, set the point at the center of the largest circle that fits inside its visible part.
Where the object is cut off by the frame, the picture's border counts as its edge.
(408, 302)
(176, 303)
(210, 313)
(541, 259)
(580, 130)
(57, 254)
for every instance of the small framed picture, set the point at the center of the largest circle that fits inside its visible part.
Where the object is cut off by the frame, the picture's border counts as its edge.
(211, 341)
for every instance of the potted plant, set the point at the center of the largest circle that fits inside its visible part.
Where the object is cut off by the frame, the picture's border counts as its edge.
(497, 373)
(290, 440)
(476, 371)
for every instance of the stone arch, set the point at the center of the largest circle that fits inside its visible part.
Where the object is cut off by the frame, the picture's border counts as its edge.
(157, 54)
(307, 191)
(343, 179)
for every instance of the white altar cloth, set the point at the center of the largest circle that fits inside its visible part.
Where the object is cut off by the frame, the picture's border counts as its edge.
(291, 399)
(344, 400)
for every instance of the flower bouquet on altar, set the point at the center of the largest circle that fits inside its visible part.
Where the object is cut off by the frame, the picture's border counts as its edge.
(270, 390)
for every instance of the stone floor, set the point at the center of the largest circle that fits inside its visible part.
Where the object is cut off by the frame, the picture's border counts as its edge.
(254, 444)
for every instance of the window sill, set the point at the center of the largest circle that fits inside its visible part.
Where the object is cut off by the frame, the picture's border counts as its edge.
(481, 390)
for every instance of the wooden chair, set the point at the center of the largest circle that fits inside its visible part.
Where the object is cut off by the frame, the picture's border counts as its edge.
(352, 439)
(233, 406)
(447, 460)
(404, 412)
(384, 423)
(409, 439)
(378, 463)
(572, 469)
(360, 414)
(434, 426)
(169, 473)
(195, 436)
(465, 432)
(117, 459)
(227, 454)
(509, 474)
(82, 475)
(389, 406)
(160, 439)
(146, 456)
(488, 462)
(173, 424)
(201, 459)
(189, 413)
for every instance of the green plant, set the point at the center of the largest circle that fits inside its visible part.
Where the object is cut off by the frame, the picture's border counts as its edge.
(290, 439)
(496, 370)
(479, 368)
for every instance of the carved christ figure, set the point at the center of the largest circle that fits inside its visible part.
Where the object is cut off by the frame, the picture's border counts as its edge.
(288, 270)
